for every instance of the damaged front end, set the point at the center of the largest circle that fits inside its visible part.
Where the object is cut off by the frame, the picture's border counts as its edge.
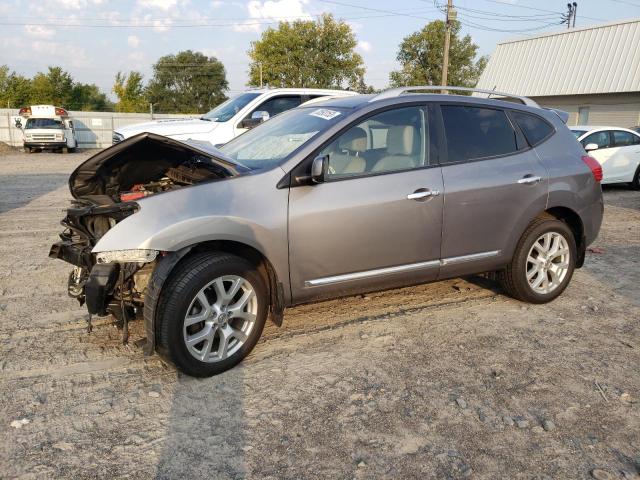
(107, 189)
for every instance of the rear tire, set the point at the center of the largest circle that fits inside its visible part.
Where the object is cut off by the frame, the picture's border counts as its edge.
(71, 149)
(543, 262)
(635, 183)
(211, 313)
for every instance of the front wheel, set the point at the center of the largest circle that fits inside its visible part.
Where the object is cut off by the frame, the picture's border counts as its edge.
(543, 262)
(211, 313)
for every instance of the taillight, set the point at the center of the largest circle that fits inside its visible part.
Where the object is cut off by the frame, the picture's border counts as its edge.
(595, 167)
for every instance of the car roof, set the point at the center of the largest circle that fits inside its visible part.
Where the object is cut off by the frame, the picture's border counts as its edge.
(597, 128)
(360, 101)
(327, 91)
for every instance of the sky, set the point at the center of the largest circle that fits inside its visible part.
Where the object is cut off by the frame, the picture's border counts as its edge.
(94, 39)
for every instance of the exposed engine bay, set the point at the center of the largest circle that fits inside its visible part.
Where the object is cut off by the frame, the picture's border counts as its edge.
(105, 190)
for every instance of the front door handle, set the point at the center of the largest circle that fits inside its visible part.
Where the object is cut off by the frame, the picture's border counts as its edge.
(422, 193)
(529, 180)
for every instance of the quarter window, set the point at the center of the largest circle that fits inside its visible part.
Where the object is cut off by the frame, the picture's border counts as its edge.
(389, 141)
(599, 138)
(534, 128)
(476, 132)
(624, 139)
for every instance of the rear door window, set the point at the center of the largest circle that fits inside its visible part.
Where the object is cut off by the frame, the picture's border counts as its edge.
(602, 139)
(477, 132)
(535, 129)
(624, 139)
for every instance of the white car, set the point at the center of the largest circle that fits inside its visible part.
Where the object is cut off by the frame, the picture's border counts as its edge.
(616, 149)
(231, 118)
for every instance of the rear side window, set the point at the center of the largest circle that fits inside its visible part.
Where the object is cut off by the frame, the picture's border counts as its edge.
(534, 128)
(477, 132)
(624, 139)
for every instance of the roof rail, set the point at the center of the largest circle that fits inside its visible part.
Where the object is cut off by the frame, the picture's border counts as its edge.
(395, 92)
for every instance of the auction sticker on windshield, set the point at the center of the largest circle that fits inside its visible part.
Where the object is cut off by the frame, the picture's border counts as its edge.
(325, 113)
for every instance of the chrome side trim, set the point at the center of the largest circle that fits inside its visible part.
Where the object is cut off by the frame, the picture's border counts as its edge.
(469, 258)
(370, 273)
(400, 268)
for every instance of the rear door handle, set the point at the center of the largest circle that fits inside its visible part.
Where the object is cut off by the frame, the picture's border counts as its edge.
(529, 180)
(422, 193)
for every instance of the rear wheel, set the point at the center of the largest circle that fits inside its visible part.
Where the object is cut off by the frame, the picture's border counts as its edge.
(211, 313)
(635, 183)
(543, 262)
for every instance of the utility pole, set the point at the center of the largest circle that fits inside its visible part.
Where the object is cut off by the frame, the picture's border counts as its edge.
(571, 15)
(447, 41)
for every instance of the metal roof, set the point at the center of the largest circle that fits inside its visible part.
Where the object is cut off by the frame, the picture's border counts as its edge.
(598, 59)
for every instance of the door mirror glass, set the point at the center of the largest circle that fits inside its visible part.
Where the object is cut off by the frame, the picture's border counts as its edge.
(319, 168)
(257, 117)
(590, 147)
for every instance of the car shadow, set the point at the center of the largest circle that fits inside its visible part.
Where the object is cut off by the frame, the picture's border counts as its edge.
(206, 429)
(18, 190)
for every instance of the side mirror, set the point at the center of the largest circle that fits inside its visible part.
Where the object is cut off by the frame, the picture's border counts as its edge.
(319, 168)
(256, 119)
(70, 124)
(590, 147)
(18, 123)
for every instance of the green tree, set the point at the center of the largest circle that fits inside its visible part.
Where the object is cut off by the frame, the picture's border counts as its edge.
(15, 90)
(88, 97)
(54, 88)
(130, 90)
(318, 54)
(420, 57)
(188, 82)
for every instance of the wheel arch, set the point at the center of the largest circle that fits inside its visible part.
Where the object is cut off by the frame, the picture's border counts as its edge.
(574, 222)
(168, 263)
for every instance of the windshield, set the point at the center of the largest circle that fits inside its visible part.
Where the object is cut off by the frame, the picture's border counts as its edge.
(271, 142)
(48, 123)
(226, 110)
(578, 133)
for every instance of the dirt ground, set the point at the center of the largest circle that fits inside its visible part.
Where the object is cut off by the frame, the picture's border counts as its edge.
(448, 380)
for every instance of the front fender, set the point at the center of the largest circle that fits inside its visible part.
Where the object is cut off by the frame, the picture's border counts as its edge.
(246, 209)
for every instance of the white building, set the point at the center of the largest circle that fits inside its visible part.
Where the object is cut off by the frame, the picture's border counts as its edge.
(591, 72)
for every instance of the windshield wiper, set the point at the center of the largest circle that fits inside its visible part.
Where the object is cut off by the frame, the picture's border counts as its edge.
(205, 119)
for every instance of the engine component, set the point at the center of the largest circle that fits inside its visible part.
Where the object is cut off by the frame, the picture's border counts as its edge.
(101, 281)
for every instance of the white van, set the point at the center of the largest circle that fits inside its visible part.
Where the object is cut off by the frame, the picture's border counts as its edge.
(46, 127)
(231, 118)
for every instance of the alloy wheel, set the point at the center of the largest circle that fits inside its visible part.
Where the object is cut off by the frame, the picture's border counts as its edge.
(220, 318)
(548, 262)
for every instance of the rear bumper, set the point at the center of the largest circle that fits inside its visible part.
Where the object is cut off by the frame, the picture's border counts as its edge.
(45, 144)
(592, 220)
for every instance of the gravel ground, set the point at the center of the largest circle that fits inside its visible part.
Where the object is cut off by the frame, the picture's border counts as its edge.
(447, 380)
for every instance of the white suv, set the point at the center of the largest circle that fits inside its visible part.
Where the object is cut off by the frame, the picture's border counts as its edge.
(231, 118)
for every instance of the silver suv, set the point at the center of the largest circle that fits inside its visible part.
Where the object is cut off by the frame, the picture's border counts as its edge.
(346, 196)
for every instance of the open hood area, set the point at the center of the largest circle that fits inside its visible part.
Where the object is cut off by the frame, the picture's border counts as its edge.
(149, 159)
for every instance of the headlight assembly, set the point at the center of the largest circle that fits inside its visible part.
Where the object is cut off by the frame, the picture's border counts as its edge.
(127, 256)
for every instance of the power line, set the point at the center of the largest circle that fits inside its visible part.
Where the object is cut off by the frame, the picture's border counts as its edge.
(517, 5)
(240, 22)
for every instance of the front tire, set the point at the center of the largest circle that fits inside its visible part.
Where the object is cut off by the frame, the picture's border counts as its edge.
(543, 263)
(211, 313)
